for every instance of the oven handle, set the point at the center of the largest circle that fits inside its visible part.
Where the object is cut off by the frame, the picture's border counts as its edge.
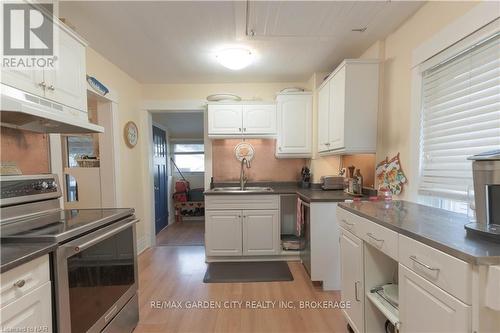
(77, 247)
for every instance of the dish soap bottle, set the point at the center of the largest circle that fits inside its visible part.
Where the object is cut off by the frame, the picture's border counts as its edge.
(359, 182)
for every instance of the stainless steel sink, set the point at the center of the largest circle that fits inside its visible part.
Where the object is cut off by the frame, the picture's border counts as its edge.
(248, 189)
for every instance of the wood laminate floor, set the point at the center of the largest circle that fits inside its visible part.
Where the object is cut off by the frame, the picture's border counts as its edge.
(182, 233)
(170, 274)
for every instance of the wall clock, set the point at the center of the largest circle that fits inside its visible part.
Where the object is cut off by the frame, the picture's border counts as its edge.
(131, 134)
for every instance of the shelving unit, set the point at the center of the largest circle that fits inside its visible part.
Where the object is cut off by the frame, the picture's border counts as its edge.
(387, 309)
(380, 269)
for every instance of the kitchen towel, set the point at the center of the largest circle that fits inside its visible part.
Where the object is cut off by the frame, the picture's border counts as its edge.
(300, 218)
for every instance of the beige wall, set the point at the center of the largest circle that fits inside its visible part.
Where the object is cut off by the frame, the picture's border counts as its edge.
(396, 53)
(128, 91)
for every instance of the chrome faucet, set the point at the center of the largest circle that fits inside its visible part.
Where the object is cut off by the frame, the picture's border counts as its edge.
(243, 178)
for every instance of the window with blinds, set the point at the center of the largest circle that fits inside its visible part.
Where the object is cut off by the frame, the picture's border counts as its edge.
(460, 118)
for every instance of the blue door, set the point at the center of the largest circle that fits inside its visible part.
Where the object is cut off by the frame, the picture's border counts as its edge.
(160, 178)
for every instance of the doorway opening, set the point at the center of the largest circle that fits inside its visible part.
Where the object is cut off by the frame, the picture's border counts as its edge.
(183, 134)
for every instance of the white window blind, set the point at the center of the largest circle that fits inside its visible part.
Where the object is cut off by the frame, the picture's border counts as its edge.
(460, 118)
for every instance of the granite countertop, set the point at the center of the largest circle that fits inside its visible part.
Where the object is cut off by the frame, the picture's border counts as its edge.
(308, 195)
(438, 228)
(14, 254)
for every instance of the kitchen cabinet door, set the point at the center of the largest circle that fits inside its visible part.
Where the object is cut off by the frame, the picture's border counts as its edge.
(337, 110)
(423, 307)
(31, 311)
(323, 118)
(223, 233)
(261, 232)
(352, 285)
(30, 81)
(67, 84)
(294, 126)
(225, 119)
(259, 119)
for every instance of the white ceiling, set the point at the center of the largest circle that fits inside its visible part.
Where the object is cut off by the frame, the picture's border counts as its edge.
(174, 42)
(181, 125)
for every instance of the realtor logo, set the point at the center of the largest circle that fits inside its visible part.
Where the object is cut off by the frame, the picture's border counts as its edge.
(28, 36)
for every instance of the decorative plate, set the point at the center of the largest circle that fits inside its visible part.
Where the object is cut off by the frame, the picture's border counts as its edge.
(244, 150)
(131, 134)
(292, 90)
(223, 97)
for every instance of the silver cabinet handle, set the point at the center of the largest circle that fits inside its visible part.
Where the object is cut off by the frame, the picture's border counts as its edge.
(348, 223)
(414, 258)
(244, 129)
(327, 144)
(369, 234)
(51, 88)
(239, 129)
(19, 283)
(356, 291)
(43, 85)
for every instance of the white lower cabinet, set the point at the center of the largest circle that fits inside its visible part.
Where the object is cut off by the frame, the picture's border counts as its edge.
(260, 232)
(30, 313)
(223, 233)
(423, 307)
(242, 225)
(26, 297)
(351, 268)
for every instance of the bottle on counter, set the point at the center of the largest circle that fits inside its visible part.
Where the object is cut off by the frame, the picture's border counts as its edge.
(358, 189)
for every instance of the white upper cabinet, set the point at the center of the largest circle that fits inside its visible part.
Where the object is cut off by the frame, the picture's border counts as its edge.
(323, 109)
(294, 125)
(347, 109)
(64, 84)
(67, 83)
(225, 119)
(259, 119)
(236, 120)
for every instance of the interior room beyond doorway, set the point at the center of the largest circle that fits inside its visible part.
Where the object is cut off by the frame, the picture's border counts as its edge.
(185, 161)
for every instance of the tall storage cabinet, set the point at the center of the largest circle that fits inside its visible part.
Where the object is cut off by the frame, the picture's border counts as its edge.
(294, 125)
(348, 107)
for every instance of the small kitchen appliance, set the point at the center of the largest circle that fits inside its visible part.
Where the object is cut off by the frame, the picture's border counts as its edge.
(486, 177)
(332, 182)
(95, 263)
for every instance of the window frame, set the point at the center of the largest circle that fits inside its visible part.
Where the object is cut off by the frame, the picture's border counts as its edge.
(439, 56)
(187, 142)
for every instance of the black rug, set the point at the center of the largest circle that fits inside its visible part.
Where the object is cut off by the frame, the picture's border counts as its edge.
(261, 271)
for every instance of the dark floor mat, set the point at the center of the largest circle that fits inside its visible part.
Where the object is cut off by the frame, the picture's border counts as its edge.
(263, 271)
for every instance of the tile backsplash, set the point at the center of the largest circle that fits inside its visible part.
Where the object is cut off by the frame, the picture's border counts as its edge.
(28, 150)
(264, 166)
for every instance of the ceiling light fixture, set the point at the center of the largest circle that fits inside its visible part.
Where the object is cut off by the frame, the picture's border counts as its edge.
(235, 58)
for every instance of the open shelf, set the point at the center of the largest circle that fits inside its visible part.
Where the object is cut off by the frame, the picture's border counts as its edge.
(387, 309)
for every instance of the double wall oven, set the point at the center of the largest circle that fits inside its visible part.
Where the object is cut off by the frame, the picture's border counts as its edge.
(95, 264)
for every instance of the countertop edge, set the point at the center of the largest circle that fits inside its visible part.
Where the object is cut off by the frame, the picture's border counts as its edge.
(45, 249)
(427, 241)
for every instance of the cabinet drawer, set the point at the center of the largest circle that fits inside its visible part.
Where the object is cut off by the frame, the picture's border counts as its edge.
(23, 279)
(443, 270)
(30, 313)
(349, 221)
(225, 202)
(423, 307)
(380, 237)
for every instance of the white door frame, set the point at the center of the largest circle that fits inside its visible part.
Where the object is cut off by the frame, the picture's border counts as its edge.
(150, 107)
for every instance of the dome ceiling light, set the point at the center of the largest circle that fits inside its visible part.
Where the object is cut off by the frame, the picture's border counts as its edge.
(235, 58)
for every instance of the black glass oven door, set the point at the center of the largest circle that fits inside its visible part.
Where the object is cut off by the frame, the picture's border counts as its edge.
(98, 276)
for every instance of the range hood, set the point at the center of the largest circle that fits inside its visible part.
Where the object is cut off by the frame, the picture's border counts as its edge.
(25, 111)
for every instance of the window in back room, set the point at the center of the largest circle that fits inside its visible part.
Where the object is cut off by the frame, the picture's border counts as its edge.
(189, 157)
